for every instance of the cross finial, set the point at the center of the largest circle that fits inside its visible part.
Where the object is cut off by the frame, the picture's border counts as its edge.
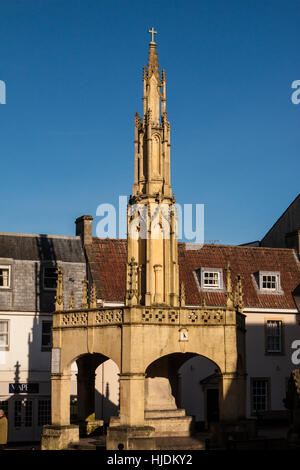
(152, 32)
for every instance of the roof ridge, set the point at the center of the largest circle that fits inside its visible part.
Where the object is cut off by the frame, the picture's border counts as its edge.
(41, 235)
(206, 245)
(110, 239)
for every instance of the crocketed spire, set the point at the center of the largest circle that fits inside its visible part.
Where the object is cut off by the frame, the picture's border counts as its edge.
(153, 67)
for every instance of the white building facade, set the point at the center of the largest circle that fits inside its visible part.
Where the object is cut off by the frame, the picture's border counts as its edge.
(27, 289)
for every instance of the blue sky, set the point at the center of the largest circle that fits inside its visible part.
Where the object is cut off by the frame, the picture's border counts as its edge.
(73, 72)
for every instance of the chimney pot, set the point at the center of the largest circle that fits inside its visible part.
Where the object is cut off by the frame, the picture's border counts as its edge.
(84, 228)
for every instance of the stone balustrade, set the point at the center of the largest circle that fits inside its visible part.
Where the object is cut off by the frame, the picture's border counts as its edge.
(153, 315)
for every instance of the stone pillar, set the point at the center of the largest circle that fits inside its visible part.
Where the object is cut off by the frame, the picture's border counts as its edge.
(60, 399)
(60, 433)
(129, 432)
(132, 390)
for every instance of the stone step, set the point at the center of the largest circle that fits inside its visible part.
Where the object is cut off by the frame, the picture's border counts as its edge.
(162, 443)
(171, 426)
(164, 413)
(181, 443)
(87, 443)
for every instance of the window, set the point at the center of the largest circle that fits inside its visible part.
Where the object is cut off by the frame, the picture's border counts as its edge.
(4, 335)
(46, 335)
(4, 277)
(260, 395)
(210, 278)
(28, 413)
(269, 281)
(274, 336)
(44, 412)
(50, 278)
(4, 406)
(18, 413)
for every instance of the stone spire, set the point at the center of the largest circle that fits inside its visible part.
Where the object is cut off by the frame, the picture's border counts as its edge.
(153, 67)
(152, 255)
(152, 134)
(152, 85)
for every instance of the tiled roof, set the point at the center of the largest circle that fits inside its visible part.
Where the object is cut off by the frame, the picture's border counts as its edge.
(41, 247)
(108, 258)
(245, 261)
(107, 261)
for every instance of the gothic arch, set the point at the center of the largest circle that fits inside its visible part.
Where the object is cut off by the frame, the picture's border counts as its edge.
(178, 357)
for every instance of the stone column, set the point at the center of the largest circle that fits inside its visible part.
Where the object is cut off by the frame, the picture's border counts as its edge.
(60, 399)
(130, 432)
(60, 433)
(132, 390)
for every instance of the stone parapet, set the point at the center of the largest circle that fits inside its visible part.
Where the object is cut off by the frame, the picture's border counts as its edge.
(159, 315)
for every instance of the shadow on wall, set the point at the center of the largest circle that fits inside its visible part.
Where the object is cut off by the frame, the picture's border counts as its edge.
(28, 407)
(104, 407)
(107, 397)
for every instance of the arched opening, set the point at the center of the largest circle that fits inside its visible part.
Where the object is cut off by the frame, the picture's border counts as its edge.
(183, 387)
(94, 392)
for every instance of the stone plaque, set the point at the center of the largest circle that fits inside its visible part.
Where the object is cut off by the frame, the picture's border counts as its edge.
(55, 361)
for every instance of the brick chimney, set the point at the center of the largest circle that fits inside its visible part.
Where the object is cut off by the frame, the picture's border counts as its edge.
(84, 228)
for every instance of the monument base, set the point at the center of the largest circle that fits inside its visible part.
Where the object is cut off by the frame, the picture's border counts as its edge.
(170, 422)
(165, 422)
(59, 437)
(130, 438)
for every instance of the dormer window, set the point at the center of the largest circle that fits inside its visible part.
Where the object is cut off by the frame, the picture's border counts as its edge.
(4, 277)
(210, 278)
(50, 278)
(269, 281)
